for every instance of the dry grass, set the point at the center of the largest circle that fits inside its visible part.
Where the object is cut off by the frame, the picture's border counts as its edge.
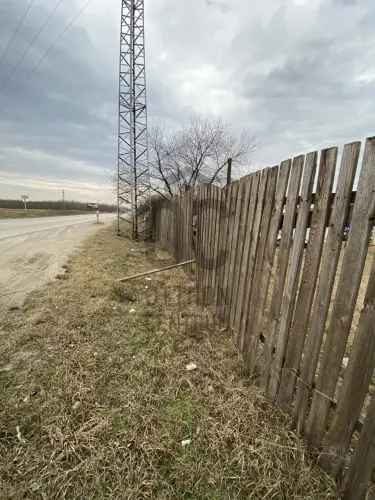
(31, 213)
(96, 399)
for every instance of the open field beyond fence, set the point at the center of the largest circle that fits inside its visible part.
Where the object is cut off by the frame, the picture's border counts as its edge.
(18, 213)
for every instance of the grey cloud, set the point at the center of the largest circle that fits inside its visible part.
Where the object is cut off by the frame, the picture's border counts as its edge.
(299, 75)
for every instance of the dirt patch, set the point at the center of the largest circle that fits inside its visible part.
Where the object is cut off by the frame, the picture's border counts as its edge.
(30, 260)
(133, 394)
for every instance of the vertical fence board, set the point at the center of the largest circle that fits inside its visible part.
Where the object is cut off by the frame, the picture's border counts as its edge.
(282, 264)
(246, 256)
(231, 249)
(309, 277)
(293, 272)
(199, 244)
(251, 354)
(215, 243)
(222, 221)
(277, 213)
(346, 296)
(236, 248)
(330, 259)
(246, 181)
(207, 246)
(224, 245)
(252, 260)
(362, 465)
(356, 384)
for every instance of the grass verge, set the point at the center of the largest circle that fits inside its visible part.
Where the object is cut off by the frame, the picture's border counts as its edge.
(97, 402)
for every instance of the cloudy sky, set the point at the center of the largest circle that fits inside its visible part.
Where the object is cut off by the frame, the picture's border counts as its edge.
(299, 74)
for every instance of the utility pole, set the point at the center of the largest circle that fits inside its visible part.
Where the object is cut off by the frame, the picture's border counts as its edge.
(63, 198)
(229, 171)
(133, 182)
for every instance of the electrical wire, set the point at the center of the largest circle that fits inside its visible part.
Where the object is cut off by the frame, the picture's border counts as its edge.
(33, 41)
(61, 34)
(15, 32)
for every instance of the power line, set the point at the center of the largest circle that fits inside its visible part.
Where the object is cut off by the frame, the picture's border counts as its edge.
(33, 40)
(15, 32)
(67, 27)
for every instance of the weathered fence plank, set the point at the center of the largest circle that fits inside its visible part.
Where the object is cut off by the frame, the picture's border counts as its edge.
(330, 259)
(282, 265)
(362, 465)
(309, 277)
(277, 214)
(233, 223)
(356, 385)
(208, 245)
(235, 249)
(215, 245)
(256, 296)
(199, 243)
(245, 266)
(293, 273)
(244, 334)
(346, 296)
(246, 186)
(226, 245)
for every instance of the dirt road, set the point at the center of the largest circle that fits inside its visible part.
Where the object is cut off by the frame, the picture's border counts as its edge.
(33, 251)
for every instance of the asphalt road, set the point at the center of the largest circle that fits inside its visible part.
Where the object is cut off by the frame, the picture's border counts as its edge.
(33, 251)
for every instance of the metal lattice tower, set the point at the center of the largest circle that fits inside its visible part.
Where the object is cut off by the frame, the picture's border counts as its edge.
(133, 168)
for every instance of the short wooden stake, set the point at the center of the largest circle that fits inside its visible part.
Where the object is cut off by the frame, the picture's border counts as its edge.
(161, 270)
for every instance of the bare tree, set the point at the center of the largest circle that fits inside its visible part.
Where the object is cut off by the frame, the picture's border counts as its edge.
(195, 154)
(25, 198)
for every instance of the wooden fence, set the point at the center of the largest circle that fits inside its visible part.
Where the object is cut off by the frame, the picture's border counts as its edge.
(273, 265)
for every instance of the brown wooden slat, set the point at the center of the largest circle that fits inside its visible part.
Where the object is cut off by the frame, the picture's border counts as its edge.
(254, 180)
(236, 250)
(220, 260)
(329, 262)
(282, 185)
(282, 264)
(224, 246)
(191, 255)
(293, 273)
(346, 296)
(215, 221)
(357, 378)
(231, 244)
(362, 466)
(246, 264)
(207, 246)
(297, 335)
(246, 182)
(244, 333)
(259, 271)
(215, 243)
(200, 242)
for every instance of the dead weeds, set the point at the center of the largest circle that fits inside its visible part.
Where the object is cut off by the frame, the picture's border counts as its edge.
(97, 402)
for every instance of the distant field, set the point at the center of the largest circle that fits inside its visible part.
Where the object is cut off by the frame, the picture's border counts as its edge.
(11, 213)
